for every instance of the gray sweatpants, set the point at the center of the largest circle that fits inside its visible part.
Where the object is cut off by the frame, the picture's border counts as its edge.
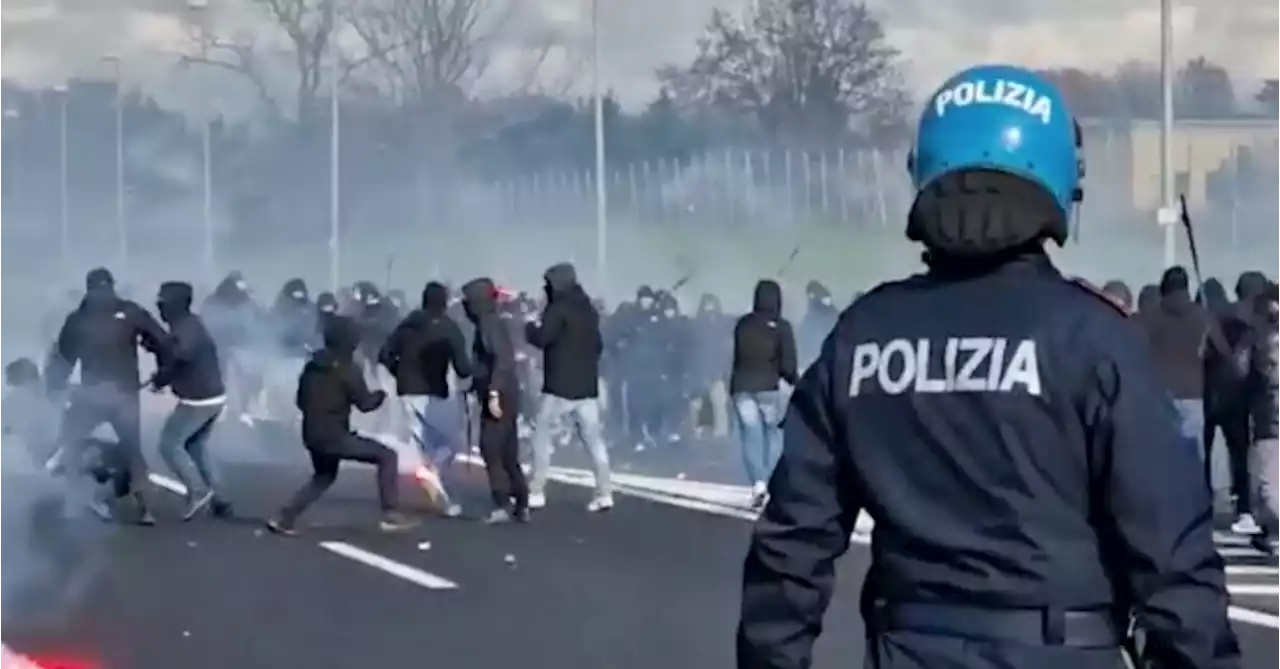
(1264, 470)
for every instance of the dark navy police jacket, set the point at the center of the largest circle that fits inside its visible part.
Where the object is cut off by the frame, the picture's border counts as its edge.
(1010, 436)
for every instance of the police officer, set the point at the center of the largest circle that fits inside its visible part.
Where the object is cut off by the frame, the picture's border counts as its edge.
(1020, 456)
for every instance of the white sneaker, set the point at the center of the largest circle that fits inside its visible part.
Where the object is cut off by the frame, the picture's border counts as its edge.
(1245, 524)
(600, 504)
(453, 511)
(759, 494)
(537, 500)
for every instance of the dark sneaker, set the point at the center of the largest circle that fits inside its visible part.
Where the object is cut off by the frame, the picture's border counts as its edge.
(221, 509)
(521, 515)
(1263, 544)
(394, 521)
(277, 526)
(145, 518)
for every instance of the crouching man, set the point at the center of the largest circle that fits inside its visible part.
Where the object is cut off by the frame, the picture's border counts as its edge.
(330, 385)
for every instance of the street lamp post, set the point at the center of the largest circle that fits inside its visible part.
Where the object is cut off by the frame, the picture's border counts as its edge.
(64, 210)
(335, 155)
(602, 191)
(13, 117)
(209, 254)
(122, 232)
(1168, 216)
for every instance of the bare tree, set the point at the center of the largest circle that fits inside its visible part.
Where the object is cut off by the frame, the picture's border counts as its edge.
(428, 49)
(803, 69)
(309, 26)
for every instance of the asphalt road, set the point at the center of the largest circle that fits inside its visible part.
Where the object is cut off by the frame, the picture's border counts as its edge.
(650, 584)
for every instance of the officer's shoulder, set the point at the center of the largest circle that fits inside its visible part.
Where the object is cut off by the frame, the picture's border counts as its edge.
(1095, 296)
(881, 294)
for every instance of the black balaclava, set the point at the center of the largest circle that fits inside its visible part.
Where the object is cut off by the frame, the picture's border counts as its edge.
(558, 280)
(479, 297)
(1148, 298)
(767, 300)
(708, 305)
(341, 337)
(327, 303)
(435, 298)
(1119, 291)
(646, 298)
(295, 290)
(99, 288)
(174, 300)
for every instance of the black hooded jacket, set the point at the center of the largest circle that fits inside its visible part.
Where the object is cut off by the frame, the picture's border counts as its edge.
(103, 335)
(424, 345)
(330, 385)
(1180, 333)
(192, 368)
(492, 351)
(764, 345)
(295, 319)
(569, 337)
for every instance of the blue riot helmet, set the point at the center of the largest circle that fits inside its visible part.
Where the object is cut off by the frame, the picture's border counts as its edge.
(1003, 119)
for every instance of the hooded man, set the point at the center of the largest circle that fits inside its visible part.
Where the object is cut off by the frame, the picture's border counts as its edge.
(819, 317)
(764, 356)
(569, 338)
(1178, 331)
(1031, 486)
(497, 390)
(102, 336)
(419, 353)
(240, 328)
(295, 323)
(330, 386)
(1227, 390)
(194, 374)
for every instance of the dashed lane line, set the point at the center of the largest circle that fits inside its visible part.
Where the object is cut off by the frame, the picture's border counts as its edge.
(368, 558)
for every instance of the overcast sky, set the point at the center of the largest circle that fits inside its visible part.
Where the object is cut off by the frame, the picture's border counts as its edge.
(45, 41)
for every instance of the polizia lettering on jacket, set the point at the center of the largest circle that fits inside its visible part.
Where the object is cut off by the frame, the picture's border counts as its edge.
(966, 365)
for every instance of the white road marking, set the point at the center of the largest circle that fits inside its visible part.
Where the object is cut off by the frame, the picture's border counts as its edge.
(1253, 617)
(1237, 551)
(399, 570)
(1253, 589)
(1252, 570)
(168, 484)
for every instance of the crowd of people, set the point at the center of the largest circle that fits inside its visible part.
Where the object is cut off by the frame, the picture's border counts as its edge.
(641, 376)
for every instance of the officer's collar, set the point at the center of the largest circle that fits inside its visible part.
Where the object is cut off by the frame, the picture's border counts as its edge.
(1028, 257)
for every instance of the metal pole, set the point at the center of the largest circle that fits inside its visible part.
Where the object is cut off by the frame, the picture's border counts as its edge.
(335, 137)
(334, 179)
(602, 192)
(1167, 195)
(206, 146)
(122, 233)
(64, 209)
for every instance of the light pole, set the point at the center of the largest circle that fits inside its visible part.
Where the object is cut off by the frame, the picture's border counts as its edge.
(122, 232)
(602, 191)
(1168, 215)
(64, 211)
(335, 154)
(13, 117)
(209, 255)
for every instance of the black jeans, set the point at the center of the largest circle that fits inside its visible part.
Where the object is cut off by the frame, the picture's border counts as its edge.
(500, 448)
(325, 459)
(1234, 423)
(91, 407)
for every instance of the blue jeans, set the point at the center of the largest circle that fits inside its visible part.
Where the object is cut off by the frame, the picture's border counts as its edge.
(1192, 426)
(759, 429)
(435, 424)
(186, 433)
(583, 417)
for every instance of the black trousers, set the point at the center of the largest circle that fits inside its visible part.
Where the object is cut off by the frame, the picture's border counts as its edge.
(325, 460)
(1234, 423)
(121, 461)
(500, 448)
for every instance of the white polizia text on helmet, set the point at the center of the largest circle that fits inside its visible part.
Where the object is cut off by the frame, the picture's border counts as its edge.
(966, 365)
(998, 92)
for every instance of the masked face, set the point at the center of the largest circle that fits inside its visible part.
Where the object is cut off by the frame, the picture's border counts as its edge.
(645, 303)
(328, 309)
(242, 286)
(669, 313)
(299, 295)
